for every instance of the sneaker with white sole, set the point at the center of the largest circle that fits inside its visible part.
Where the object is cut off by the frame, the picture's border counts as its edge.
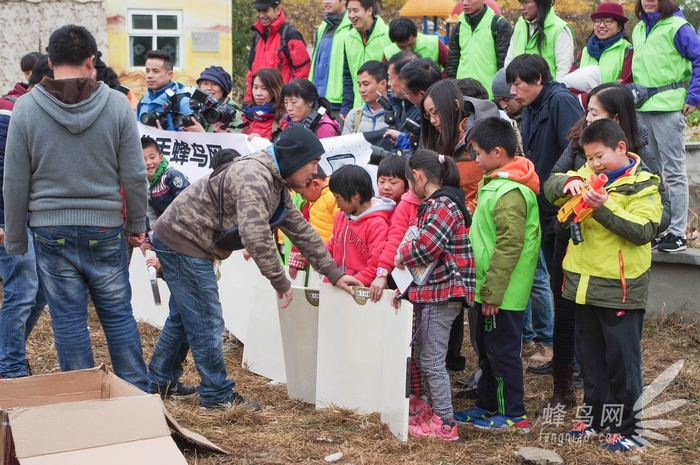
(471, 415)
(517, 424)
(541, 354)
(177, 391)
(620, 443)
(236, 400)
(672, 243)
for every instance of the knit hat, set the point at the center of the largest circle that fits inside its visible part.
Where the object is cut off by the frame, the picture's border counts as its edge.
(610, 10)
(499, 86)
(296, 147)
(218, 75)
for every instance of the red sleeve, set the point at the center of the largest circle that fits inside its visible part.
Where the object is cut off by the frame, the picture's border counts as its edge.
(626, 73)
(442, 54)
(375, 241)
(397, 230)
(577, 62)
(301, 63)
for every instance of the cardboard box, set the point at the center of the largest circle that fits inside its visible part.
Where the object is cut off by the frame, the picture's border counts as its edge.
(86, 417)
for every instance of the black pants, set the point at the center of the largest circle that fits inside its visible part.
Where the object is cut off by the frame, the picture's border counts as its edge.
(564, 310)
(608, 349)
(499, 339)
(454, 360)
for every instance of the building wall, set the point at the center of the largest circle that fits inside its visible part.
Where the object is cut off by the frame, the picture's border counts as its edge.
(197, 15)
(27, 25)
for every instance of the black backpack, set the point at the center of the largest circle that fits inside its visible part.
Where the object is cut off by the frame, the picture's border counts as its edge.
(285, 35)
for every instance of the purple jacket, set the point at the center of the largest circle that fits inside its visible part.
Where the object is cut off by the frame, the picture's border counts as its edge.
(688, 45)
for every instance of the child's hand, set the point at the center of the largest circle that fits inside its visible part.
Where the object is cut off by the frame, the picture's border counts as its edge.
(144, 247)
(594, 199)
(246, 255)
(293, 272)
(253, 136)
(573, 187)
(489, 309)
(154, 262)
(397, 262)
(376, 289)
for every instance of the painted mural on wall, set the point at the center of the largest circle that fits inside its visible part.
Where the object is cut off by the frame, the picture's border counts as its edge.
(196, 32)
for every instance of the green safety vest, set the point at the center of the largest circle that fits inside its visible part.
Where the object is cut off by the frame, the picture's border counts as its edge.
(426, 47)
(358, 53)
(477, 57)
(611, 60)
(334, 85)
(553, 25)
(659, 63)
(483, 238)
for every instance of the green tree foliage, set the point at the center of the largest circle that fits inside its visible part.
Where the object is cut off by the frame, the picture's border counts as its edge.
(241, 36)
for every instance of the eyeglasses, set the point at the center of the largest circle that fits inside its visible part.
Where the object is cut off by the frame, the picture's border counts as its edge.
(606, 21)
(406, 94)
(432, 113)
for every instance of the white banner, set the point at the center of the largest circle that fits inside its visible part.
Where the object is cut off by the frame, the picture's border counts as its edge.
(191, 153)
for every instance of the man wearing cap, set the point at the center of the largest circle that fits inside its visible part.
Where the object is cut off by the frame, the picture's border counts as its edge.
(159, 74)
(501, 94)
(255, 185)
(609, 46)
(276, 44)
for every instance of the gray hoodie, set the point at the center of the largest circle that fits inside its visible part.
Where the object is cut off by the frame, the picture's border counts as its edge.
(71, 146)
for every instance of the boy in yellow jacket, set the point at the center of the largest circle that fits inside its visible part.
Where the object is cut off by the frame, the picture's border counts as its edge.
(607, 275)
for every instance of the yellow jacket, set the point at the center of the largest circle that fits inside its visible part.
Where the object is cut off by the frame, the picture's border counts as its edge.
(322, 214)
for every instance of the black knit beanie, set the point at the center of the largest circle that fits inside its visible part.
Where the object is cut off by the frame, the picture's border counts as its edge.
(296, 147)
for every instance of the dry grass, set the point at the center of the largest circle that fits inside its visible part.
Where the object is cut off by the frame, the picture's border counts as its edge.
(288, 431)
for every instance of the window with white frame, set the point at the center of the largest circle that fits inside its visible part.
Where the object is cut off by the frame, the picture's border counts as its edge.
(154, 30)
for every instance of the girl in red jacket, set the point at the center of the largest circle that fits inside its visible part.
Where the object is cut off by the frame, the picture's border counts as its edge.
(265, 114)
(441, 239)
(359, 232)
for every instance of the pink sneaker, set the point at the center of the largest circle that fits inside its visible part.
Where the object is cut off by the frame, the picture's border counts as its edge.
(416, 404)
(435, 427)
(424, 415)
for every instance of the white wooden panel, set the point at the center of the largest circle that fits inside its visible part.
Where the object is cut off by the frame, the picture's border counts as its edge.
(142, 302)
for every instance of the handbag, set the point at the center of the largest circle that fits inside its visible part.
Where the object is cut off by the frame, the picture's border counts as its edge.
(641, 94)
(230, 239)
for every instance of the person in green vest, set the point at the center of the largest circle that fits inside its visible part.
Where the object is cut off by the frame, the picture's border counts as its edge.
(327, 59)
(540, 31)
(505, 237)
(666, 57)
(366, 41)
(404, 36)
(608, 46)
(478, 44)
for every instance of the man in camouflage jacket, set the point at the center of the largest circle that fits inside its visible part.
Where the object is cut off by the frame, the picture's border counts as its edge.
(254, 186)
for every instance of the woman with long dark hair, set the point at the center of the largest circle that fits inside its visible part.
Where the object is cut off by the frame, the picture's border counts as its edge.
(666, 57)
(265, 112)
(541, 32)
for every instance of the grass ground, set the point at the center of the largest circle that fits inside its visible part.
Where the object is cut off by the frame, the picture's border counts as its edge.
(289, 431)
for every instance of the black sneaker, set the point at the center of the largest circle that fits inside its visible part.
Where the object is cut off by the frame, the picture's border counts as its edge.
(176, 391)
(30, 372)
(673, 243)
(656, 242)
(235, 400)
(469, 392)
(546, 369)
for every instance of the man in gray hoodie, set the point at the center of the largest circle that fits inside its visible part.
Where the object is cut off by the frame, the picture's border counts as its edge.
(72, 144)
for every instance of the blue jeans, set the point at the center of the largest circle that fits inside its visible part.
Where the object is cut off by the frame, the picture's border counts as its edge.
(195, 321)
(540, 308)
(22, 304)
(73, 260)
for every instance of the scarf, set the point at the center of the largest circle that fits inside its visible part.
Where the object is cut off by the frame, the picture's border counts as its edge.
(259, 112)
(618, 173)
(596, 47)
(159, 172)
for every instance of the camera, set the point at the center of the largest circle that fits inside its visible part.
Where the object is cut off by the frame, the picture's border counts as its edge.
(180, 120)
(389, 113)
(201, 100)
(412, 128)
(222, 113)
(150, 118)
(378, 154)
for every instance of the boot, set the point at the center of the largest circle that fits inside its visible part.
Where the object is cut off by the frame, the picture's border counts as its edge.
(563, 389)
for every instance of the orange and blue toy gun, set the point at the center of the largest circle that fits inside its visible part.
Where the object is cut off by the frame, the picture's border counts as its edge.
(575, 210)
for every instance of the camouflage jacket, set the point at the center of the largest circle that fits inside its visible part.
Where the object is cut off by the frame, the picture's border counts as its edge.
(253, 189)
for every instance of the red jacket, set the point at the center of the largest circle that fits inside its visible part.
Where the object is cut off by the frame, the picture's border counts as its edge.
(404, 217)
(267, 53)
(357, 242)
(17, 91)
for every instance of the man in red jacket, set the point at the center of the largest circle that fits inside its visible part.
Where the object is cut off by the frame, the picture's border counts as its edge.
(276, 44)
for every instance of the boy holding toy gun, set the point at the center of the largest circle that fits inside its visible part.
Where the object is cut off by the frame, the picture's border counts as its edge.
(607, 275)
